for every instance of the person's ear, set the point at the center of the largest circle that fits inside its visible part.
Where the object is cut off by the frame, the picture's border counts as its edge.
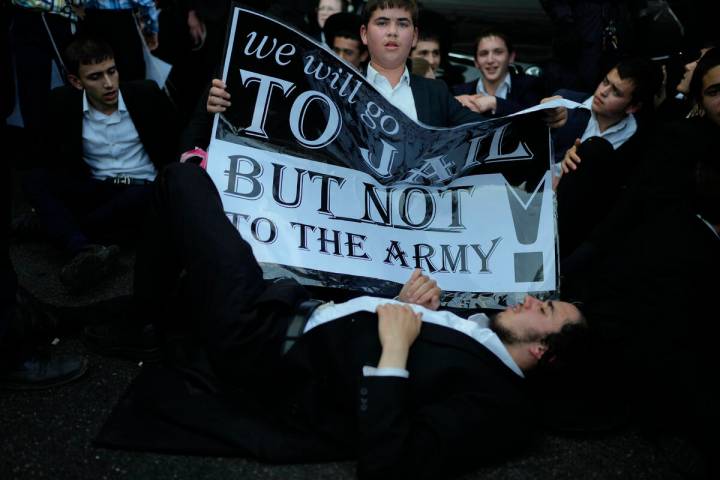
(75, 81)
(363, 34)
(415, 37)
(537, 350)
(633, 107)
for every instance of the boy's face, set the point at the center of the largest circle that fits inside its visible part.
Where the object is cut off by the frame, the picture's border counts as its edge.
(493, 59)
(430, 51)
(613, 96)
(389, 36)
(100, 82)
(327, 8)
(349, 50)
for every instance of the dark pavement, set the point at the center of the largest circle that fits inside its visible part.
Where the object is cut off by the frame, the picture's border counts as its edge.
(48, 434)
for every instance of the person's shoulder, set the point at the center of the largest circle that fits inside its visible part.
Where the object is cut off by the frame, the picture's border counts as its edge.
(522, 78)
(430, 84)
(65, 92)
(140, 86)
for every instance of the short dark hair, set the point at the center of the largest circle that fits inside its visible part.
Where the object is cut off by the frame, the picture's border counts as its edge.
(491, 32)
(568, 343)
(372, 5)
(646, 77)
(86, 50)
(429, 36)
(710, 60)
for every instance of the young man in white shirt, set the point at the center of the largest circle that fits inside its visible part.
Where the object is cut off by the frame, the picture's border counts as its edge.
(106, 143)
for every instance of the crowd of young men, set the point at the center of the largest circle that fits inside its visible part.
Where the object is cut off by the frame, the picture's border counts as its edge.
(397, 384)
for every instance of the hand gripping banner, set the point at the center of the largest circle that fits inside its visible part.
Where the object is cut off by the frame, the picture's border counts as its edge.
(332, 184)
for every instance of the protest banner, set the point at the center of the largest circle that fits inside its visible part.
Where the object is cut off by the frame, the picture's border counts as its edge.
(332, 184)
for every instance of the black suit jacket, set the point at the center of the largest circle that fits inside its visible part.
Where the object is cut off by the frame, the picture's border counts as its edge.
(526, 91)
(437, 107)
(150, 109)
(461, 407)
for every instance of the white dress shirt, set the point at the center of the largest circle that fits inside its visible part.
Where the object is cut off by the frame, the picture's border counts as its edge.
(616, 135)
(401, 95)
(111, 144)
(502, 91)
(475, 327)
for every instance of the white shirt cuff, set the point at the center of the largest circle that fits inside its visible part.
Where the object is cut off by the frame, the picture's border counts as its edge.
(385, 372)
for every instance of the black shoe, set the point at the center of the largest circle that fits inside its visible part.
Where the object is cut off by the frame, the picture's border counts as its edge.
(131, 342)
(44, 371)
(91, 264)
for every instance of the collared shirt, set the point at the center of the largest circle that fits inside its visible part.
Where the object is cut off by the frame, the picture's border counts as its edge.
(616, 134)
(476, 327)
(502, 91)
(111, 144)
(401, 95)
(146, 9)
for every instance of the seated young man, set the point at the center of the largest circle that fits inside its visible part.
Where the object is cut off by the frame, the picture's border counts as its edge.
(105, 145)
(408, 391)
(600, 146)
(625, 90)
(499, 91)
(342, 34)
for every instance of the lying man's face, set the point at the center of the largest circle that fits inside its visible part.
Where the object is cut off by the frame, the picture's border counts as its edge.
(533, 320)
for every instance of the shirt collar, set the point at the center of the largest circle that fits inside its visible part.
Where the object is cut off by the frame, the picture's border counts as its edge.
(121, 103)
(373, 76)
(507, 83)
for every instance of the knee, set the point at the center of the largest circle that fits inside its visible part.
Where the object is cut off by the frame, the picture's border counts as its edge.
(177, 179)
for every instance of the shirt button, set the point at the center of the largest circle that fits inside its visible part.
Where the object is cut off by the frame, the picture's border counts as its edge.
(363, 408)
(363, 391)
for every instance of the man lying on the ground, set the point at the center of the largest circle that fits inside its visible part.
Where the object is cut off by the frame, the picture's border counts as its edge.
(408, 391)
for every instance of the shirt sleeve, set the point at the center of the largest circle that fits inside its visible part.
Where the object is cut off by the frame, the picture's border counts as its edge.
(385, 372)
(148, 15)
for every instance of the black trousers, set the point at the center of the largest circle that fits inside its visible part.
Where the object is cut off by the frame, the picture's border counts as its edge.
(225, 306)
(77, 210)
